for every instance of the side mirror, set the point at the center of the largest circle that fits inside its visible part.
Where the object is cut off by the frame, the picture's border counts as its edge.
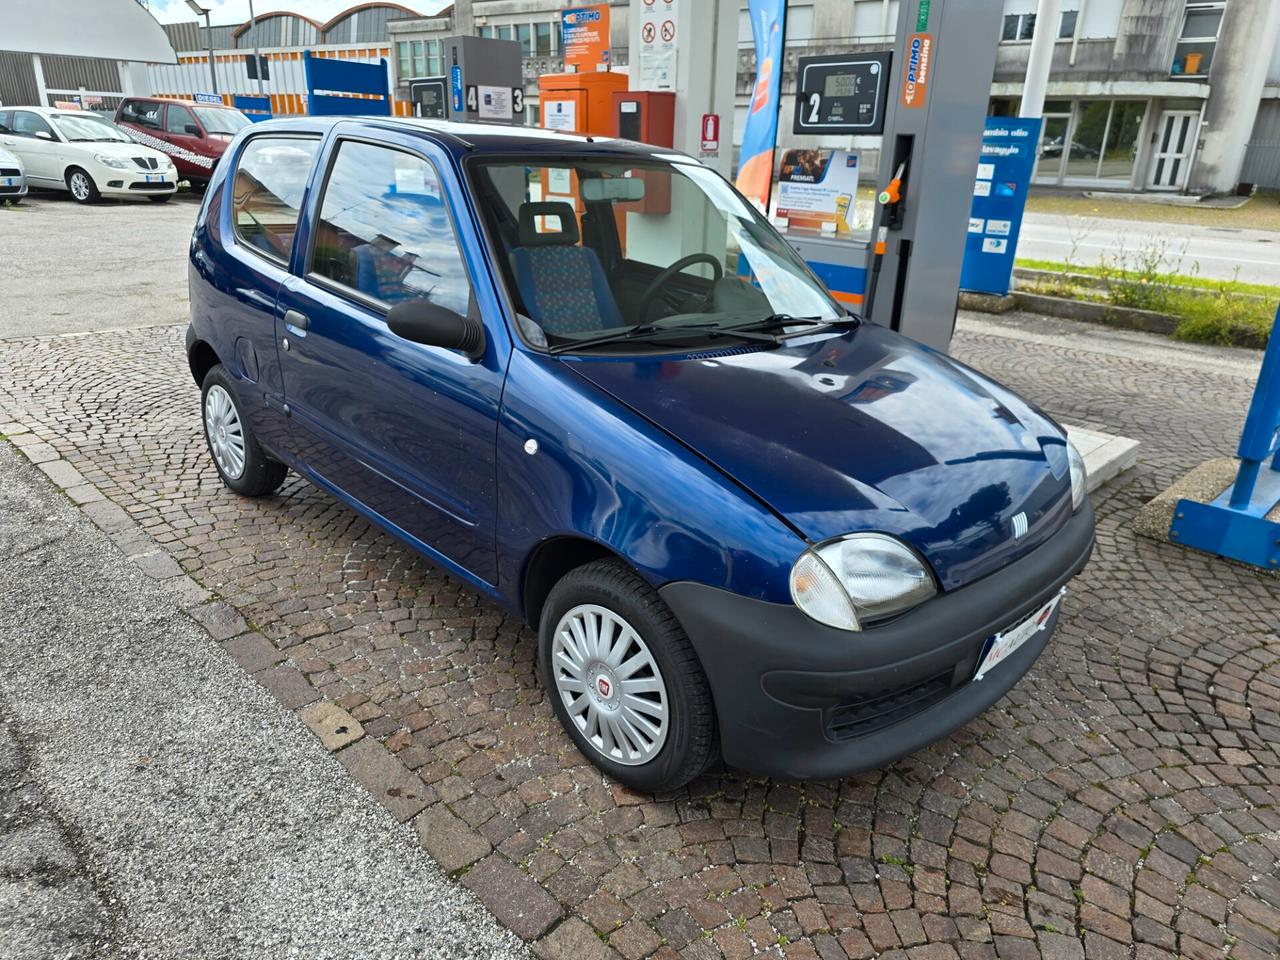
(425, 322)
(192, 130)
(44, 135)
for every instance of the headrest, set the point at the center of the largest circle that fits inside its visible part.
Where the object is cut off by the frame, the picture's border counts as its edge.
(566, 234)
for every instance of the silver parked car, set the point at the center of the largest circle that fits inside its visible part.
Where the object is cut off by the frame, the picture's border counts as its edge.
(13, 177)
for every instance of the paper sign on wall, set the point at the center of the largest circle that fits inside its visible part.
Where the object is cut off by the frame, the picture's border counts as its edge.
(657, 55)
(560, 115)
(494, 103)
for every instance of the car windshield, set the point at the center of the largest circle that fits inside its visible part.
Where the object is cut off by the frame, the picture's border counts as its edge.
(221, 120)
(619, 255)
(86, 128)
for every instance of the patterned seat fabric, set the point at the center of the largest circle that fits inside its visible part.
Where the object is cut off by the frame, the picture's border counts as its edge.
(562, 284)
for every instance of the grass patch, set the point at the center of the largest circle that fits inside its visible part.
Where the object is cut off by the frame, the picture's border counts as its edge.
(1221, 312)
(1261, 212)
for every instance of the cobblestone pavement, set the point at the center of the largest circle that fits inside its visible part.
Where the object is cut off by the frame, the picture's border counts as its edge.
(1120, 802)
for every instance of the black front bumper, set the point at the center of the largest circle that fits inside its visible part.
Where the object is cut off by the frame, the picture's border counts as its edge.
(801, 700)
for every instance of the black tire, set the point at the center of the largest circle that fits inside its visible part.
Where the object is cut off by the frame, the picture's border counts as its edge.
(160, 197)
(691, 739)
(259, 474)
(90, 192)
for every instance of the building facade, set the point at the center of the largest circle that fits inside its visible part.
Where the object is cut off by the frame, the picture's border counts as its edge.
(1171, 95)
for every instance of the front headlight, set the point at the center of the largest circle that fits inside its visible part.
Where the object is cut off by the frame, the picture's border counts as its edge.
(859, 578)
(166, 163)
(115, 163)
(1078, 476)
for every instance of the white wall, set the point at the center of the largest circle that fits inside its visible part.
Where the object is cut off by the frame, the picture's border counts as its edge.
(1101, 17)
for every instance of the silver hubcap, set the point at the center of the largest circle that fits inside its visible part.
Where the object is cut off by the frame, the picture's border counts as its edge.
(79, 186)
(610, 684)
(226, 436)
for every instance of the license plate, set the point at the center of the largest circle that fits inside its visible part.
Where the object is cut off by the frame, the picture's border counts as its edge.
(1003, 644)
(155, 179)
(8, 181)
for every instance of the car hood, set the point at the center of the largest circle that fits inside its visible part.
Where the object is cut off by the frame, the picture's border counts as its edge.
(864, 431)
(123, 151)
(10, 159)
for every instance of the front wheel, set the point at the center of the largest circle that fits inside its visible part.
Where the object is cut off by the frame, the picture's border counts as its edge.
(624, 679)
(82, 187)
(241, 462)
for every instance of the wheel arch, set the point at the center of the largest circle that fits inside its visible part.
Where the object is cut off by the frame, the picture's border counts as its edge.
(548, 563)
(201, 358)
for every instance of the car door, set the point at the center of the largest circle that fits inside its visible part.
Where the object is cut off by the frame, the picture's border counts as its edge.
(243, 245)
(406, 430)
(33, 139)
(186, 137)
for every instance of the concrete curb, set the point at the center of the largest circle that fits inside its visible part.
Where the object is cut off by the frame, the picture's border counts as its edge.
(515, 899)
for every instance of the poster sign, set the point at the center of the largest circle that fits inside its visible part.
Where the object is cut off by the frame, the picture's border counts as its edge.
(657, 57)
(585, 37)
(915, 78)
(1000, 190)
(494, 102)
(455, 87)
(816, 189)
(560, 115)
(760, 136)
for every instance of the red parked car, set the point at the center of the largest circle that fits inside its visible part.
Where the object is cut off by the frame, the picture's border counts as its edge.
(193, 134)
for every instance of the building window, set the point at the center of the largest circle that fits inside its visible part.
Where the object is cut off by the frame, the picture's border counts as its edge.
(542, 38)
(1198, 39)
(1022, 26)
(524, 36)
(1090, 140)
(435, 65)
(404, 64)
(419, 61)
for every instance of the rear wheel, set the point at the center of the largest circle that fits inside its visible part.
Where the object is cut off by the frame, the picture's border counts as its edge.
(242, 464)
(624, 679)
(82, 187)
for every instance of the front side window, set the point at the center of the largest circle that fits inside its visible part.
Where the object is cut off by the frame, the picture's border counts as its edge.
(267, 190)
(27, 124)
(384, 230)
(176, 119)
(595, 247)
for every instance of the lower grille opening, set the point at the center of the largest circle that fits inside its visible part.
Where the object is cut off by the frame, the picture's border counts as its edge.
(151, 186)
(878, 709)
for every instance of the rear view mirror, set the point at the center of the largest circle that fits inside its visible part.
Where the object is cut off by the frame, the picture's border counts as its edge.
(192, 130)
(612, 189)
(44, 135)
(422, 321)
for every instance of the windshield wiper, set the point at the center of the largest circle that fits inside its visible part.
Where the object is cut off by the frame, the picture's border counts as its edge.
(650, 331)
(777, 320)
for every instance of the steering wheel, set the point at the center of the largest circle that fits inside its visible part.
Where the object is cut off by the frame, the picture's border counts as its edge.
(661, 280)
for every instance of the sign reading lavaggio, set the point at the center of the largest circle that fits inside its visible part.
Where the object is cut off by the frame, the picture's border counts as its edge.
(585, 33)
(1000, 188)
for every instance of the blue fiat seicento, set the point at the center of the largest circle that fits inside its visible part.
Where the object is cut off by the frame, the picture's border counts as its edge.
(586, 377)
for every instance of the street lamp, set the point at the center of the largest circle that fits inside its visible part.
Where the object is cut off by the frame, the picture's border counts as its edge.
(200, 11)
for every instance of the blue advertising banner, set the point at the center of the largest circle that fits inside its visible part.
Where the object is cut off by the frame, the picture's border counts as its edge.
(455, 87)
(999, 198)
(755, 169)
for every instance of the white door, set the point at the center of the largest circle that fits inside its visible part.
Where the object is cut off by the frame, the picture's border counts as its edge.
(1177, 134)
(35, 142)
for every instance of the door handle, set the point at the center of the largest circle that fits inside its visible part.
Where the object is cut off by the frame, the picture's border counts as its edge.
(297, 322)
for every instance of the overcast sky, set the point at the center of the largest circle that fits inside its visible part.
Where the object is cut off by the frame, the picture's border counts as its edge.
(237, 11)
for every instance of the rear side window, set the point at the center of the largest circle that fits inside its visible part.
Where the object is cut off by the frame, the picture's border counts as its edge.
(141, 113)
(267, 192)
(176, 119)
(385, 231)
(6, 121)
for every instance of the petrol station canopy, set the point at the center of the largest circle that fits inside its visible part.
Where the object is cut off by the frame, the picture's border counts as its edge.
(110, 29)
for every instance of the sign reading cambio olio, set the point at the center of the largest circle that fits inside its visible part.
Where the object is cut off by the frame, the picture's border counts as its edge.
(585, 33)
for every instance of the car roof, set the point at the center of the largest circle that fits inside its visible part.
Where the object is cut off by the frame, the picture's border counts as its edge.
(57, 112)
(481, 138)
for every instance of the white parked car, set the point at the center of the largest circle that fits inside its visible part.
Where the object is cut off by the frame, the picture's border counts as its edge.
(80, 152)
(13, 177)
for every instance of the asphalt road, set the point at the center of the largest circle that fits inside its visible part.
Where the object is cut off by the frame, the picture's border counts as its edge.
(156, 802)
(1217, 251)
(71, 268)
